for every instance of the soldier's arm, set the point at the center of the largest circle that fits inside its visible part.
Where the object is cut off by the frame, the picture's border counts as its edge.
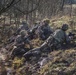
(46, 43)
(49, 38)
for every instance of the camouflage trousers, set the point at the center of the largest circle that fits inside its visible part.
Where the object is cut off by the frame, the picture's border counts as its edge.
(51, 43)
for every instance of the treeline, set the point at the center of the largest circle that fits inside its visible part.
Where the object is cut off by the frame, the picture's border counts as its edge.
(31, 10)
(12, 12)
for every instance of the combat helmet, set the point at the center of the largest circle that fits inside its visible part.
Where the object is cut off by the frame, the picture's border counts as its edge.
(65, 27)
(46, 21)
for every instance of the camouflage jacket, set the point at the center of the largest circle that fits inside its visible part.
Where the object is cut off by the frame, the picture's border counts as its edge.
(61, 36)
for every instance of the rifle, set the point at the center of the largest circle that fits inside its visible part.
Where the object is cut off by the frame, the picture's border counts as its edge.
(32, 31)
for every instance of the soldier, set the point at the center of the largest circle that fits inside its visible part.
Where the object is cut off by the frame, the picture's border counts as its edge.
(33, 31)
(20, 42)
(45, 30)
(54, 41)
(24, 26)
(58, 38)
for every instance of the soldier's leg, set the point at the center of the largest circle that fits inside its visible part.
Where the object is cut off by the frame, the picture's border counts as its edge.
(17, 52)
(27, 56)
(14, 53)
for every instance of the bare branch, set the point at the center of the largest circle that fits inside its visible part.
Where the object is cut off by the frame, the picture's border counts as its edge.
(8, 6)
(27, 11)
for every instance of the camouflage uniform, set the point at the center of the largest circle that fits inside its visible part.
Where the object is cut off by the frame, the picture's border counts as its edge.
(24, 26)
(32, 53)
(20, 42)
(57, 38)
(33, 32)
(54, 41)
(45, 30)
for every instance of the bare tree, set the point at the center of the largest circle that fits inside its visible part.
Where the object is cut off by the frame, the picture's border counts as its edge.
(9, 4)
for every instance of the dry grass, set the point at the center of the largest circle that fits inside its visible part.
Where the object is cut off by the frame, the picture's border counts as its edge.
(63, 62)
